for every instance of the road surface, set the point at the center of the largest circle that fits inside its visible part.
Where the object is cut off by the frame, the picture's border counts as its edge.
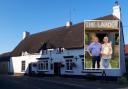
(24, 82)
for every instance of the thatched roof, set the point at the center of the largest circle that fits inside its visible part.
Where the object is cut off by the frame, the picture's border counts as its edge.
(65, 37)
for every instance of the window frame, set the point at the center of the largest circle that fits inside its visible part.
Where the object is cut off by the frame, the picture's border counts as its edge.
(43, 65)
(69, 66)
(23, 65)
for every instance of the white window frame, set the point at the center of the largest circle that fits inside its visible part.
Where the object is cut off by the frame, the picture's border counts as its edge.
(43, 65)
(23, 66)
(69, 66)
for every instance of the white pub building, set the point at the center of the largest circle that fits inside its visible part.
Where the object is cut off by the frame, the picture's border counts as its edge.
(58, 51)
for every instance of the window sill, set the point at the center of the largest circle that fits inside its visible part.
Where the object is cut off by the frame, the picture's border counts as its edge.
(69, 71)
(58, 53)
(43, 70)
(83, 71)
(91, 71)
(23, 71)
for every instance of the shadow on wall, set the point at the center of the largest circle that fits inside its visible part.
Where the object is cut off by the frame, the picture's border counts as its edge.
(11, 67)
(31, 69)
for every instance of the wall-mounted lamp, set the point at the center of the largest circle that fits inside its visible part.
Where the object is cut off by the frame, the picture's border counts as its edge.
(51, 60)
(76, 58)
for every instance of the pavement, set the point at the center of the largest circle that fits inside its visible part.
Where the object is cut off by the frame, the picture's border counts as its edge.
(25, 82)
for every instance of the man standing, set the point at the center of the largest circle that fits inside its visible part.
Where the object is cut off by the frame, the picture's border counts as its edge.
(94, 50)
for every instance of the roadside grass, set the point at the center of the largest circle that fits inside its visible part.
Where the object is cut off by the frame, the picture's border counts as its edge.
(114, 62)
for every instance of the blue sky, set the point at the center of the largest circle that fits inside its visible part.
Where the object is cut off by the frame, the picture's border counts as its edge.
(17, 16)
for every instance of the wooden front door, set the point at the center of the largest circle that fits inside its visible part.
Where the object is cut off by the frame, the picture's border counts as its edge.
(57, 69)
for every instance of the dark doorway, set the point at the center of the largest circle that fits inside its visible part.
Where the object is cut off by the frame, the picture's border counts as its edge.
(30, 69)
(57, 69)
(101, 36)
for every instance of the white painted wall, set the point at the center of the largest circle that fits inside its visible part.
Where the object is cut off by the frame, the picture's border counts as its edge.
(15, 63)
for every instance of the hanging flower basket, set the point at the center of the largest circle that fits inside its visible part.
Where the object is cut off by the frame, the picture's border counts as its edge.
(73, 64)
(62, 65)
(34, 64)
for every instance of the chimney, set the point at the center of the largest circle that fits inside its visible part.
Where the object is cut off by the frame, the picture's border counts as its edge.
(25, 34)
(117, 10)
(68, 24)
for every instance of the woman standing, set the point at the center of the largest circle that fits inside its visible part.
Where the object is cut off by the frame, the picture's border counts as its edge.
(106, 52)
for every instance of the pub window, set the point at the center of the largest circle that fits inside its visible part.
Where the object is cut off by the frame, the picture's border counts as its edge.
(117, 39)
(23, 66)
(43, 65)
(43, 47)
(69, 64)
(44, 52)
(59, 50)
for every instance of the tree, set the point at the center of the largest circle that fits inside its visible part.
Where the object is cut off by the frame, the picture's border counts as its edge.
(86, 38)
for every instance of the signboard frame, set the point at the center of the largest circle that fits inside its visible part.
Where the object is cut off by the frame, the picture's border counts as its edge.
(117, 28)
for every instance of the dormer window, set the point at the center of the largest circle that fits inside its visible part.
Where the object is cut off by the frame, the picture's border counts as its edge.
(43, 48)
(25, 53)
(44, 52)
(60, 50)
